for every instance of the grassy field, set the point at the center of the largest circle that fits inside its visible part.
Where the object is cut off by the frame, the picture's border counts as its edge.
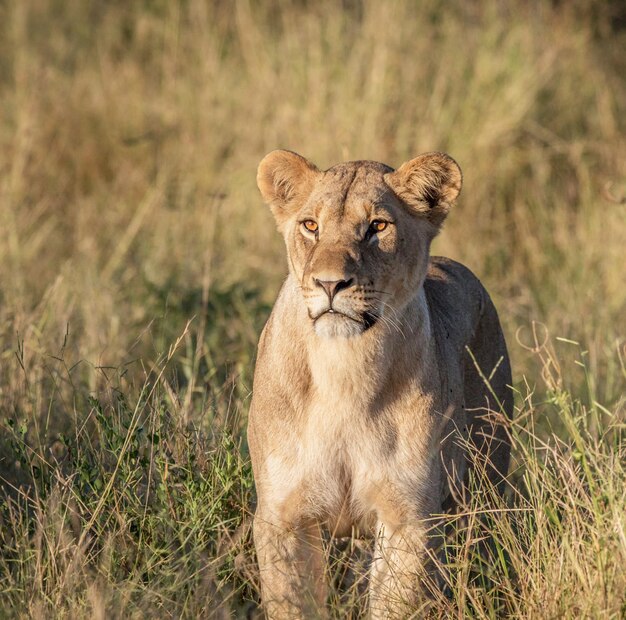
(138, 265)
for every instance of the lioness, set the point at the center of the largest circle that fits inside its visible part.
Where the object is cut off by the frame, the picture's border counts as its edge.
(376, 369)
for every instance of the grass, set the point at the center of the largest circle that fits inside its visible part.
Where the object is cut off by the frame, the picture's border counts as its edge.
(137, 266)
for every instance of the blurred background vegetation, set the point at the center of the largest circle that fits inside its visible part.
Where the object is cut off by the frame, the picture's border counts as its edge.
(138, 264)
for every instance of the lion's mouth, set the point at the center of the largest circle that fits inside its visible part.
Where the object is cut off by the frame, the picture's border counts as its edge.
(331, 312)
(369, 319)
(366, 319)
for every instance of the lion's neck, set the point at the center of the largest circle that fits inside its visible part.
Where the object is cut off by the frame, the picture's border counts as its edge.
(360, 368)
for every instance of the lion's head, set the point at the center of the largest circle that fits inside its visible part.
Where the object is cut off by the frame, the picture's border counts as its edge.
(358, 235)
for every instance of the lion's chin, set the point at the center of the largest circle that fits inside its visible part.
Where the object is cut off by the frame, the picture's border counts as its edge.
(336, 325)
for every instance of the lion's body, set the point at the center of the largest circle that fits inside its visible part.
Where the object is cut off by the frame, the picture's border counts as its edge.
(363, 419)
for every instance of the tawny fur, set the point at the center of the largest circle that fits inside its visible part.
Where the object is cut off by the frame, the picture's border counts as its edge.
(361, 416)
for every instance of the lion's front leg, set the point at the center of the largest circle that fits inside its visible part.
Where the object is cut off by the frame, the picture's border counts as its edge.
(291, 568)
(401, 566)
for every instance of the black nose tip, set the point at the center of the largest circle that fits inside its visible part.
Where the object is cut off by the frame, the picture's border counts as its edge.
(332, 287)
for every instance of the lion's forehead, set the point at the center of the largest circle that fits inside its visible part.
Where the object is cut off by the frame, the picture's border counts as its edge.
(350, 190)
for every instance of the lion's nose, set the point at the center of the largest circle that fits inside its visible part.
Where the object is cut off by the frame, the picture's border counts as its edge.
(332, 287)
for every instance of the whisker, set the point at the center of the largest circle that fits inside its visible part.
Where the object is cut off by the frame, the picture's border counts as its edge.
(373, 290)
(397, 321)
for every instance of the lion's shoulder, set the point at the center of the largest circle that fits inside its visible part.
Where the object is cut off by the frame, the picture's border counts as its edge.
(443, 271)
(456, 299)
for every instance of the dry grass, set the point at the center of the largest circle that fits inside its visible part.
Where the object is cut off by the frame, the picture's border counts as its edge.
(137, 266)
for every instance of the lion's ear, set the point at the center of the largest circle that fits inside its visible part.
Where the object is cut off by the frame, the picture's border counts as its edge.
(428, 184)
(286, 181)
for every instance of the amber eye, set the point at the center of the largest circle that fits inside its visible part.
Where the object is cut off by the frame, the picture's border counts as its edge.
(378, 226)
(310, 225)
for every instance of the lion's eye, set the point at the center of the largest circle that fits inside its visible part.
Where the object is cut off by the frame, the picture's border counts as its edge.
(378, 226)
(310, 225)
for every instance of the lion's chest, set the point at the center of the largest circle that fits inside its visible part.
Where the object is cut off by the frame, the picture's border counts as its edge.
(342, 461)
(345, 459)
